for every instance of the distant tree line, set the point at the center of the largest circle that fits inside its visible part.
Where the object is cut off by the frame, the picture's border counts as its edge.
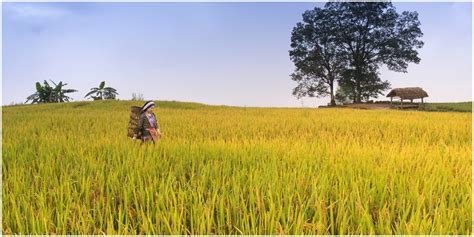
(48, 94)
(347, 43)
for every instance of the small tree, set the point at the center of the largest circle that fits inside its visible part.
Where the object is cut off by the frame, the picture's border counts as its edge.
(102, 92)
(48, 94)
(137, 96)
(59, 93)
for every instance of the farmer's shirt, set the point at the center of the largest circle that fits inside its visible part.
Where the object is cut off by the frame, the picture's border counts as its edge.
(145, 122)
(152, 120)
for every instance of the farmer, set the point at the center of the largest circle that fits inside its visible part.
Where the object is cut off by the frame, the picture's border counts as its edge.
(147, 125)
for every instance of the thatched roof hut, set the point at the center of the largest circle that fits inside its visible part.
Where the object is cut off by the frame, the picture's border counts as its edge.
(408, 93)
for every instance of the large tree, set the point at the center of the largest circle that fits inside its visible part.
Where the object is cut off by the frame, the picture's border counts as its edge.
(373, 34)
(360, 37)
(317, 57)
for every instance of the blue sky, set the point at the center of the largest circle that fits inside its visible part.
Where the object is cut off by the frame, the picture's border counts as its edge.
(214, 53)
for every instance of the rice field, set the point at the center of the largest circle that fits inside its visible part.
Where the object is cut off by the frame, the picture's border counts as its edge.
(70, 169)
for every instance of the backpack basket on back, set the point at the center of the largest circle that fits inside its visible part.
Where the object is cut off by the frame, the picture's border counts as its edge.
(133, 122)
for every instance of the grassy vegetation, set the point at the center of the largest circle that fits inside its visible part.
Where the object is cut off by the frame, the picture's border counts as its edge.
(451, 107)
(70, 169)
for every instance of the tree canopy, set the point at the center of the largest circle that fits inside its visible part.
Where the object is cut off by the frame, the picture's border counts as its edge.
(348, 42)
(316, 55)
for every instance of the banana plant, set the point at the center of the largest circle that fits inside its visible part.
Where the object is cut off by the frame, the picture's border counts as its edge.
(60, 93)
(102, 92)
(47, 94)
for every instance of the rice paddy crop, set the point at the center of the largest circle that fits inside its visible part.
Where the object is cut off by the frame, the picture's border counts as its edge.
(70, 169)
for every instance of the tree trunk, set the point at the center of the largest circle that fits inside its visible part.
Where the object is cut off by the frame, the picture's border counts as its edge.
(358, 97)
(331, 88)
(358, 79)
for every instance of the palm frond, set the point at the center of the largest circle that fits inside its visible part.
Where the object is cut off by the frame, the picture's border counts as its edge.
(68, 90)
(90, 93)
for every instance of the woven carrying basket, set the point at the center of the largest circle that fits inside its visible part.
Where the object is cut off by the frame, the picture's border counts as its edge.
(133, 122)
